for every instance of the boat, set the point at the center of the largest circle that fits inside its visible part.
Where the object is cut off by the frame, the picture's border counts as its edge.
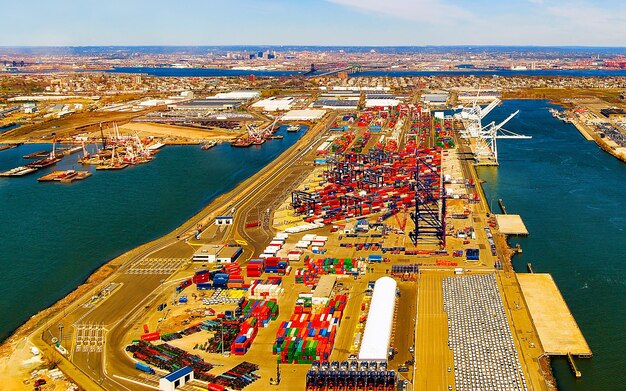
(9, 146)
(72, 150)
(36, 155)
(277, 137)
(115, 163)
(294, 128)
(112, 166)
(154, 147)
(18, 171)
(258, 141)
(241, 142)
(67, 176)
(208, 145)
(45, 162)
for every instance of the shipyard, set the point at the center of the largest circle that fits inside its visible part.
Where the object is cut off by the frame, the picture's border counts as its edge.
(329, 195)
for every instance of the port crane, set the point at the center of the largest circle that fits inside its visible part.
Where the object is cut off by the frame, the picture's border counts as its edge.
(486, 148)
(258, 135)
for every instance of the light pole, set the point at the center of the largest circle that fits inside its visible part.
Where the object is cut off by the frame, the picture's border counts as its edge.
(61, 333)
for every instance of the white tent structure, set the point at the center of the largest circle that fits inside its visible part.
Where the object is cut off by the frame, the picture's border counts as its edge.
(377, 332)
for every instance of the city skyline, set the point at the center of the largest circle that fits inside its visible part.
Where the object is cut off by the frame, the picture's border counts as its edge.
(337, 22)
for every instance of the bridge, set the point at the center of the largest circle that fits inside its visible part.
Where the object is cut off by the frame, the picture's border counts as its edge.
(349, 69)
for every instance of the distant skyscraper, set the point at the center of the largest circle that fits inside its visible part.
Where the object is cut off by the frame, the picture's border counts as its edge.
(252, 56)
(260, 54)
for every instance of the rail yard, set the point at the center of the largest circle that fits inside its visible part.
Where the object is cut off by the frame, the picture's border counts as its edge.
(364, 257)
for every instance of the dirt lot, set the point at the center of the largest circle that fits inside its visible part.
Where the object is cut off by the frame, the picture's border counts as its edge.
(173, 131)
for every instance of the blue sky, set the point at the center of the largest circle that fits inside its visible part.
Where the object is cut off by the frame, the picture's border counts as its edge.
(314, 22)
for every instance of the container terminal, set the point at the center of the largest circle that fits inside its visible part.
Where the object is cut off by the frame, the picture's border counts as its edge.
(364, 257)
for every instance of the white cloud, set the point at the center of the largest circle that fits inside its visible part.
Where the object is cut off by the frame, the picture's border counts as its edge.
(416, 10)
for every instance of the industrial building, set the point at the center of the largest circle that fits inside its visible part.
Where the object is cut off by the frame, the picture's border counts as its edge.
(207, 253)
(244, 95)
(207, 105)
(381, 100)
(612, 112)
(229, 254)
(377, 334)
(275, 103)
(435, 98)
(176, 379)
(324, 288)
(303, 115)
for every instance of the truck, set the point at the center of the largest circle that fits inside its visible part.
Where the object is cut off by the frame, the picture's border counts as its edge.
(144, 368)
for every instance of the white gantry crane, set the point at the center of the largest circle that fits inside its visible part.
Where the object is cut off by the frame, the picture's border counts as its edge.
(485, 137)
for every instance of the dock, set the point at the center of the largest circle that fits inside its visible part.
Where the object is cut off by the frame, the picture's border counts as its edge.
(511, 225)
(583, 130)
(557, 329)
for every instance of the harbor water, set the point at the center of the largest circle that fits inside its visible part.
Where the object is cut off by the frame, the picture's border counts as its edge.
(570, 195)
(55, 235)
(209, 72)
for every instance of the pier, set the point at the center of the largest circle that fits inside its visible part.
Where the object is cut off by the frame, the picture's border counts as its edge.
(573, 367)
(557, 329)
(511, 225)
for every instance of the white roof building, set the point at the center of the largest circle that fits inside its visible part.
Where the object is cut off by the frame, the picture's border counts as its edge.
(243, 95)
(275, 103)
(377, 334)
(304, 115)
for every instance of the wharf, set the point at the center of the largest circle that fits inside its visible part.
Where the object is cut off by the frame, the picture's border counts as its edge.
(511, 225)
(583, 130)
(557, 329)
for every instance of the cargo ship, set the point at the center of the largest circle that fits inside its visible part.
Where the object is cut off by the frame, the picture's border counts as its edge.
(18, 171)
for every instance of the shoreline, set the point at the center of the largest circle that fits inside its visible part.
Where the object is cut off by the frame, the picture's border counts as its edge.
(108, 269)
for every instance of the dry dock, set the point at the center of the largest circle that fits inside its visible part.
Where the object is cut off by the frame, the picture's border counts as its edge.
(558, 332)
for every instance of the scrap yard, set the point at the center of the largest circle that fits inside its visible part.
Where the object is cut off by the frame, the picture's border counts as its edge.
(366, 257)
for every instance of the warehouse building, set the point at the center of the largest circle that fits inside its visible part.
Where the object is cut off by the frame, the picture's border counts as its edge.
(207, 105)
(176, 379)
(244, 95)
(229, 254)
(275, 103)
(377, 334)
(303, 115)
(435, 99)
(207, 253)
(324, 289)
